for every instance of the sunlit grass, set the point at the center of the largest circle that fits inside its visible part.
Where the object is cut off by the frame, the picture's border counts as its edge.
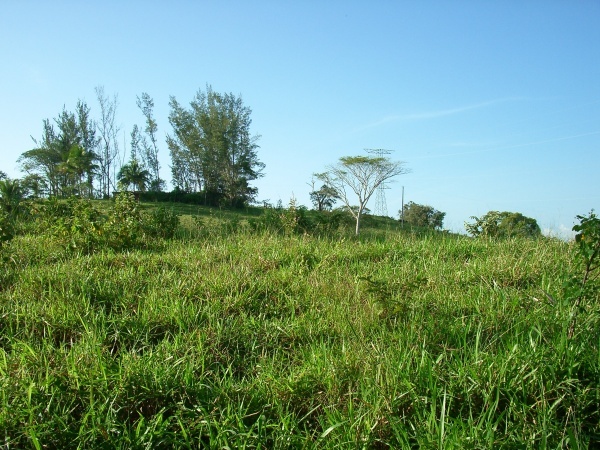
(223, 338)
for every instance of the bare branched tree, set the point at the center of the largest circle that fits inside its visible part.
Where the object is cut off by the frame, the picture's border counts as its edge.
(110, 158)
(150, 149)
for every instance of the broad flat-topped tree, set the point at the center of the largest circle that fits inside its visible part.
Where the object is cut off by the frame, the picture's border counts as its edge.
(361, 175)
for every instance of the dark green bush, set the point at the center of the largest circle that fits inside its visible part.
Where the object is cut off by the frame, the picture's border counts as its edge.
(161, 222)
(6, 227)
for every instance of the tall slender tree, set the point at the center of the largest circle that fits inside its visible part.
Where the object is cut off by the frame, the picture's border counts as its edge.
(135, 142)
(150, 145)
(88, 141)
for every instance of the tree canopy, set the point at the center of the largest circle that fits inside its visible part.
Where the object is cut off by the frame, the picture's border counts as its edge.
(133, 174)
(212, 150)
(502, 225)
(323, 198)
(65, 157)
(422, 216)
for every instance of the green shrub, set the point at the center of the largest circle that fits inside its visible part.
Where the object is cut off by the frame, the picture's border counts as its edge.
(77, 223)
(327, 222)
(84, 227)
(6, 228)
(11, 194)
(584, 285)
(160, 222)
(269, 220)
(288, 221)
(123, 228)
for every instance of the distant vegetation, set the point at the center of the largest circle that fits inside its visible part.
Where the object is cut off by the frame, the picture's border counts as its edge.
(503, 224)
(128, 324)
(422, 216)
(211, 148)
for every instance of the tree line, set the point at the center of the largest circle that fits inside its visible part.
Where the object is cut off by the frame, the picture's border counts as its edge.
(211, 148)
(213, 156)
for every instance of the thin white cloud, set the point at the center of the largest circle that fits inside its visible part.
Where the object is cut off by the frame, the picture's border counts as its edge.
(452, 111)
(434, 114)
(507, 147)
(474, 144)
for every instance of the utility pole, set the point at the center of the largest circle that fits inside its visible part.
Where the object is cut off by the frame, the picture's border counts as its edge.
(380, 201)
(402, 210)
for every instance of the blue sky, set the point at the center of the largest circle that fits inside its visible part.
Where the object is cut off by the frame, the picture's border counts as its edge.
(492, 105)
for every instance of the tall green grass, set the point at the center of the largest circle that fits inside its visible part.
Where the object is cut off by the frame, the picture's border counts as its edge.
(223, 338)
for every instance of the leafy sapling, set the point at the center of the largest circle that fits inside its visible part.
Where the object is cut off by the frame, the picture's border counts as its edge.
(588, 249)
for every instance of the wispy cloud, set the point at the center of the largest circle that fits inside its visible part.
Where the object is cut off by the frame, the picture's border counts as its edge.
(435, 114)
(505, 147)
(471, 144)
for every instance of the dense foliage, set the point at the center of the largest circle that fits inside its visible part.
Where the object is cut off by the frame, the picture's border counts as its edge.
(212, 149)
(503, 225)
(65, 156)
(11, 196)
(133, 175)
(238, 336)
(422, 216)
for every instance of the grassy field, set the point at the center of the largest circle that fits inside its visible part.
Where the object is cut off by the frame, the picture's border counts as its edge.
(229, 338)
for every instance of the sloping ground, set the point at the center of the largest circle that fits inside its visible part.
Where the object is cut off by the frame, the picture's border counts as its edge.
(263, 341)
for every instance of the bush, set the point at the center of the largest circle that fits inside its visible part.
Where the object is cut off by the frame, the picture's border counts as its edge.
(123, 227)
(269, 220)
(11, 195)
(75, 222)
(584, 287)
(328, 222)
(291, 220)
(6, 228)
(83, 227)
(161, 222)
